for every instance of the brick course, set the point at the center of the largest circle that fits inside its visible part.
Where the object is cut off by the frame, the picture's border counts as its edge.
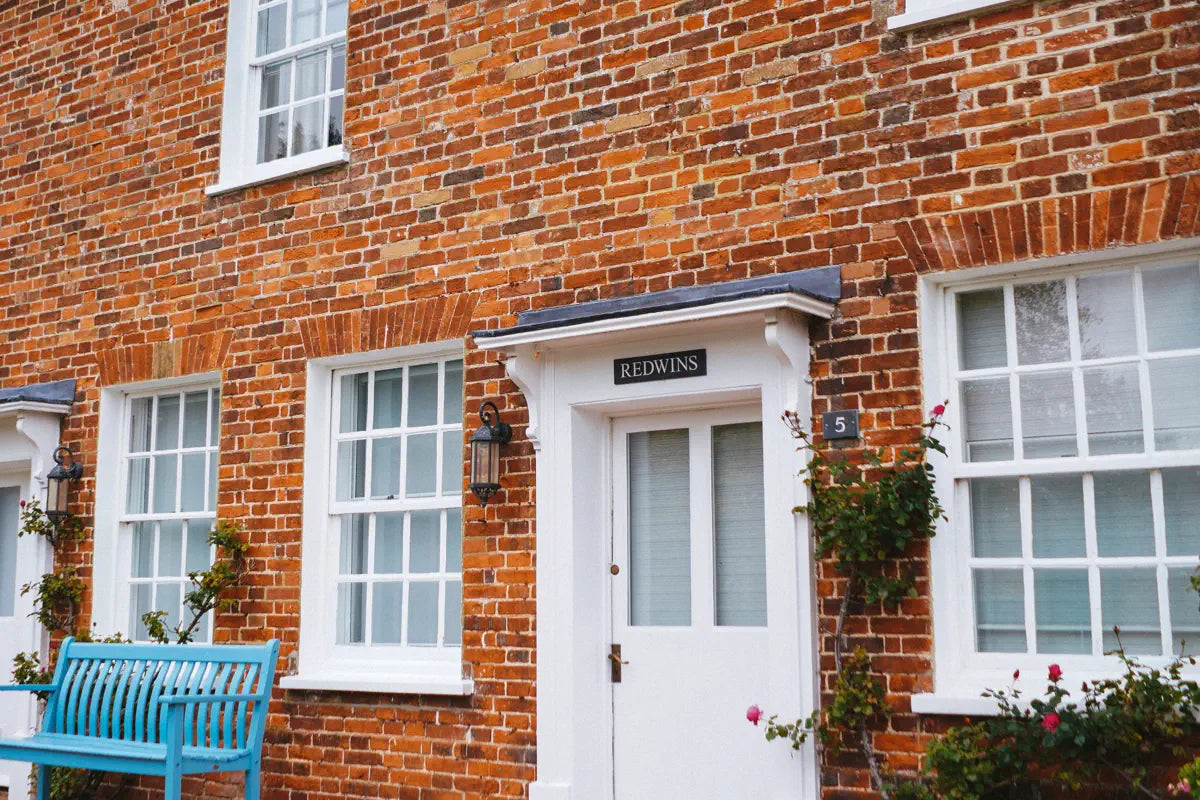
(516, 155)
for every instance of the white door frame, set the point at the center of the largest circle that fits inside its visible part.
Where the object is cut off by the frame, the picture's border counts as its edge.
(758, 355)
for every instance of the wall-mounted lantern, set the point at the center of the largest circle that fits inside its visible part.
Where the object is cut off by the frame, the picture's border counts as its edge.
(485, 452)
(58, 481)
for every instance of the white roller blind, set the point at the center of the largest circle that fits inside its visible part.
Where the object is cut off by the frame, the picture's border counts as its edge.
(660, 570)
(740, 525)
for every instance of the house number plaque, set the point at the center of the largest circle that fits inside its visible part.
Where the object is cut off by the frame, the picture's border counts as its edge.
(660, 367)
(839, 425)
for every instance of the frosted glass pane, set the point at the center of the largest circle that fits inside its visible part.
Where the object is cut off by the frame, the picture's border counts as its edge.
(10, 498)
(996, 517)
(423, 394)
(452, 395)
(1042, 333)
(335, 16)
(143, 550)
(193, 489)
(1175, 392)
(1048, 415)
(1129, 600)
(139, 424)
(166, 431)
(389, 543)
(137, 490)
(351, 470)
(1062, 610)
(981, 329)
(1058, 527)
(306, 20)
(988, 410)
(165, 483)
(1106, 321)
(1172, 297)
(999, 611)
(141, 601)
(1124, 516)
(354, 402)
(385, 467)
(387, 606)
(1185, 611)
(353, 554)
(421, 475)
(422, 612)
(453, 613)
(199, 551)
(454, 540)
(660, 574)
(389, 398)
(195, 419)
(351, 613)
(170, 548)
(426, 541)
(739, 522)
(1113, 398)
(167, 598)
(452, 463)
(214, 419)
(1181, 504)
(272, 29)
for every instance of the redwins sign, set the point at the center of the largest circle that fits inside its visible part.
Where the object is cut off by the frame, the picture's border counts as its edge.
(661, 367)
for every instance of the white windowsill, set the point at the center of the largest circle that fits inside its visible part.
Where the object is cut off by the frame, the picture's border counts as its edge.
(383, 683)
(284, 168)
(943, 12)
(954, 704)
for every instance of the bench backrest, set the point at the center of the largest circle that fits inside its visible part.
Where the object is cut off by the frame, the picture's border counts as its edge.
(111, 691)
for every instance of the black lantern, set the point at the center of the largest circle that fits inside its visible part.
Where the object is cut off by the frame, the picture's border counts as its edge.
(58, 493)
(485, 452)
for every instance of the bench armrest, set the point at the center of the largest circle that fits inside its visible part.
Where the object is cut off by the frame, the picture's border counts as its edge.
(30, 687)
(180, 699)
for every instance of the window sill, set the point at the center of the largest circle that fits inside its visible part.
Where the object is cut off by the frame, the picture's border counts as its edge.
(958, 705)
(943, 12)
(278, 170)
(380, 683)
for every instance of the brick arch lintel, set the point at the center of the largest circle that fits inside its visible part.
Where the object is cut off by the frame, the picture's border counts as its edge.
(430, 319)
(173, 358)
(1052, 226)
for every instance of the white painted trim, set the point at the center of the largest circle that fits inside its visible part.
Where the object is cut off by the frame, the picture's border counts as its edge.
(27, 406)
(259, 174)
(930, 12)
(400, 684)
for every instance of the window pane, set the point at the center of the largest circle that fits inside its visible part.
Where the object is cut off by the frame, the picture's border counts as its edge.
(988, 411)
(306, 20)
(1048, 415)
(355, 531)
(423, 394)
(1175, 392)
(996, 517)
(1114, 409)
(10, 498)
(425, 545)
(999, 611)
(351, 613)
(143, 550)
(1062, 610)
(166, 432)
(354, 402)
(141, 601)
(981, 329)
(337, 71)
(1129, 600)
(351, 469)
(170, 548)
(453, 613)
(1124, 517)
(335, 121)
(422, 612)
(1058, 527)
(1042, 322)
(272, 136)
(389, 398)
(214, 421)
(454, 540)
(385, 467)
(1185, 610)
(421, 476)
(212, 481)
(199, 551)
(165, 483)
(1172, 296)
(387, 606)
(272, 29)
(452, 463)
(195, 419)
(1106, 321)
(739, 523)
(308, 127)
(389, 543)
(1181, 504)
(139, 424)
(166, 598)
(194, 487)
(335, 16)
(660, 591)
(137, 491)
(310, 75)
(276, 86)
(452, 395)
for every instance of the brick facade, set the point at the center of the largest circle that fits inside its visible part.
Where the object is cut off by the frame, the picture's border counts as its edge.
(514, 155)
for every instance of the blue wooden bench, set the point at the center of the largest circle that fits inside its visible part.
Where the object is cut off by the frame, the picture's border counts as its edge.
(169, 710)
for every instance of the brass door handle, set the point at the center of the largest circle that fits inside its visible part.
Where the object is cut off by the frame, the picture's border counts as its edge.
(616, 662)
(616, 659)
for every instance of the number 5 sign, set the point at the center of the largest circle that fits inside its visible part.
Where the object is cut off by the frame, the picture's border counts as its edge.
(839, 424)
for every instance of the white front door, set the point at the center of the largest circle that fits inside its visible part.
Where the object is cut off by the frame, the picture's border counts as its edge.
(17, 631)
(689, 606)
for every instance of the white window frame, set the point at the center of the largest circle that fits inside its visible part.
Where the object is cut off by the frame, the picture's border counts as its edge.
(929, 12)
(321, 664)
(960, 674)
(239, 116)
(112, 544)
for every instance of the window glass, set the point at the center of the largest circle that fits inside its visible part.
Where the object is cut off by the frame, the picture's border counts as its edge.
(660, 572)
(739, 525)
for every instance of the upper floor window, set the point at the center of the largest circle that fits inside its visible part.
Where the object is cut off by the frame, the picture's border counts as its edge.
(930, 12)
(285, 77)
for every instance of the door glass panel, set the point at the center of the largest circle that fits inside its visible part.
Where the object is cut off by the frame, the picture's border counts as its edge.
(739, 525)
(10, 497)
(660, 574)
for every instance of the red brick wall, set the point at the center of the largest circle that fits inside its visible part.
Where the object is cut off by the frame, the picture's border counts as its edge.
(508, 155)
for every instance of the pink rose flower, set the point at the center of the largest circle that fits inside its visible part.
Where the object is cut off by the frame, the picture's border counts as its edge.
(1016, 674)
(754, 714)
(1050, 722)
(1055, 673)
(938, 410)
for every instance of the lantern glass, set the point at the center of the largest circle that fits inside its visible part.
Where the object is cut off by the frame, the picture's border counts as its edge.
(485, 463)
(57, 494)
